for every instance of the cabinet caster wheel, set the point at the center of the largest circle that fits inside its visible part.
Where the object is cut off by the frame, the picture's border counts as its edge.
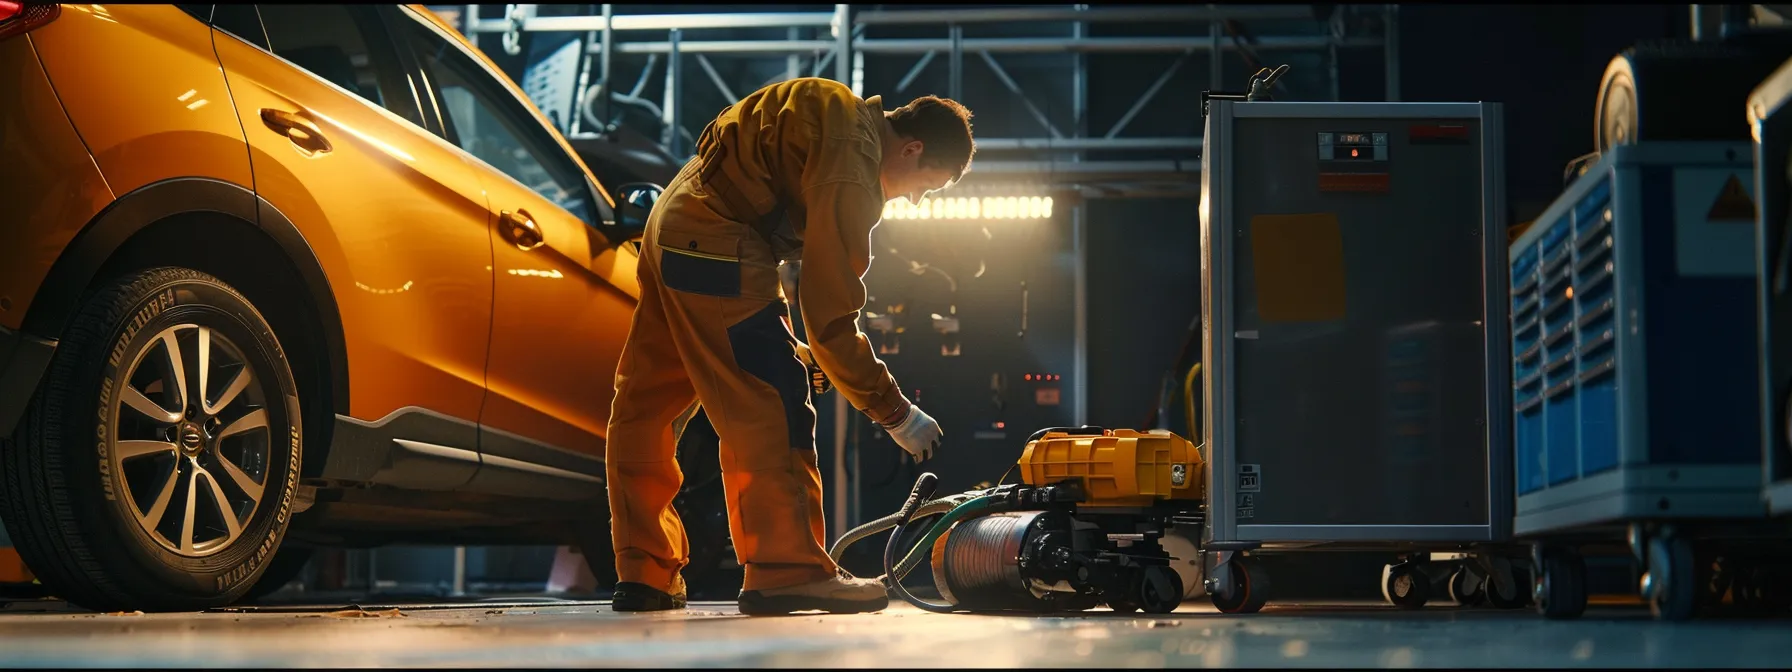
(1159, 590)
(1518, 598)
(1669, 584)
(1466, 589)
(1561, 586)
(1405, 586)
(1250, 589)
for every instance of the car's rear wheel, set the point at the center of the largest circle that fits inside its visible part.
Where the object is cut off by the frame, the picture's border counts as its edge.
(156, 466)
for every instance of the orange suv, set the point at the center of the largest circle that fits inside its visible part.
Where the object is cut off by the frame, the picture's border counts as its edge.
(275, 277)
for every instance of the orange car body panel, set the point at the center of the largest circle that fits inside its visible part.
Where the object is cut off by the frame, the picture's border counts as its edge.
(398, 222)
(143, 87)
(46, 177)
(558, 327)
(401, 221)
(561, 310)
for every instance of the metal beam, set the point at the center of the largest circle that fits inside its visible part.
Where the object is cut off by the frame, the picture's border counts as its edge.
(1391, 36)
(667, 22)
(1106, 14)
(1149, 94)
(469, 23)
(729, 47)
(673, 111)
(1079, 232)
(715, 78)
(843, 34)
(1085, 144)
(1015, 89)
(955, 62)
(914, 71)
(1058, 45)
(607, 49)
(793, 63)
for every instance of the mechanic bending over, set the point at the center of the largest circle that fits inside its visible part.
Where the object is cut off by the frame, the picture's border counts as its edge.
(798, 172)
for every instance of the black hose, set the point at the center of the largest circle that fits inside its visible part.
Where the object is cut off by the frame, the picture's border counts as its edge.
(923, 489)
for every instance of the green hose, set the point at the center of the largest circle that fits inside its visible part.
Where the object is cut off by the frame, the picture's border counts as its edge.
(923, 548)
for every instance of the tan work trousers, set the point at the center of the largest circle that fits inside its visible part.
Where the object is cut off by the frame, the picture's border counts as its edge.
(712, 324)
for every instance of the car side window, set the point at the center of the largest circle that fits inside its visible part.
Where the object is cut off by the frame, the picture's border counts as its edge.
(241, 21)
(482, 117)
(346, 45)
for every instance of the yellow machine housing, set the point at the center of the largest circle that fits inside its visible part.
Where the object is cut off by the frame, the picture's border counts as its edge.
(1120, 467)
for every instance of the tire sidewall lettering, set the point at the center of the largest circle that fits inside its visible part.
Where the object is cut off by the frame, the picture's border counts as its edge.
(197, 299)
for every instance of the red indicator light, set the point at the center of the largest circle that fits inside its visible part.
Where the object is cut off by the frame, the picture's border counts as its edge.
(1001, 425)
(1353, 153)
(1029, 377)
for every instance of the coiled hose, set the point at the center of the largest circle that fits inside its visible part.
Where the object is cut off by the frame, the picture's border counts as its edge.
(886, 523)
(954, 508)
(923, 489)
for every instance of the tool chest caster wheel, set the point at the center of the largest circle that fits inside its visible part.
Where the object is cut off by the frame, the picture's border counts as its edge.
(1250, 589)
(1561, 585)
(1405, 585)
(1466, 589)
(1669, 584)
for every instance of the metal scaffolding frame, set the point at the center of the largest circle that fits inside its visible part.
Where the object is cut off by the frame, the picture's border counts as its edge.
(845, 50)
(1052, 162)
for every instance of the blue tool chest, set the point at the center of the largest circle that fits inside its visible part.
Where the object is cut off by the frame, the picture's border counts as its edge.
(1633, 342)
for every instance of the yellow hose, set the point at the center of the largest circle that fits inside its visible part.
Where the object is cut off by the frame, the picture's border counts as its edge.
(1188, 401)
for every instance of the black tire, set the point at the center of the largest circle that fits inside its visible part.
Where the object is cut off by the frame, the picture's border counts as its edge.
(1466, 589)
(1562, 585)
(1159, 590)
(1405, 586)
(1517, 599)
(1643, 93)
(72, 504)
(288, 563)
(1674, 590)
(1250, 589)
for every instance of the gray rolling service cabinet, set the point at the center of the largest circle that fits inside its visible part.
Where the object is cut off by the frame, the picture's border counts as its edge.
(1355, 345)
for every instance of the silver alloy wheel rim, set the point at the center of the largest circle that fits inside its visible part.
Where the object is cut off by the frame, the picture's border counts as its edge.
(191, 456)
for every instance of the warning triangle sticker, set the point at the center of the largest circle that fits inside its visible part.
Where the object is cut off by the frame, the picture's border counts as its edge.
(1733, 204)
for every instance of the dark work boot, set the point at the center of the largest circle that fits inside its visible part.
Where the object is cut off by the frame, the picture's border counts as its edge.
(631, 596)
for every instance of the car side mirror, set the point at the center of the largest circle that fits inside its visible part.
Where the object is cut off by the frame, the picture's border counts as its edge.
(634, 202)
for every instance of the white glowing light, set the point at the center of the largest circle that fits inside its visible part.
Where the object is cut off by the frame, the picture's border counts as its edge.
(971, 207)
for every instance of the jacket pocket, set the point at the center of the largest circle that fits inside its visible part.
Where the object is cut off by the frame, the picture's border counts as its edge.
(700, 263)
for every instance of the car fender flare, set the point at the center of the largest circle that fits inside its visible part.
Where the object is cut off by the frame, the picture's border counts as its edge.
(75, 270)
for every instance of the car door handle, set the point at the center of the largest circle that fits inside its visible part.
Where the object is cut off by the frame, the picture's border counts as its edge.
(296, 128)
(520, 230)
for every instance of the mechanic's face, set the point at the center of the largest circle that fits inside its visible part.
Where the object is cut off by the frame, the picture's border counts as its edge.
(903, 176)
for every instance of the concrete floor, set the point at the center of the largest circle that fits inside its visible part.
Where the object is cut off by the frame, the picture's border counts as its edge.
(541, 632)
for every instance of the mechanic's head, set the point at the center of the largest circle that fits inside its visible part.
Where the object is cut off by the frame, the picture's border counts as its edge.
(932, 149)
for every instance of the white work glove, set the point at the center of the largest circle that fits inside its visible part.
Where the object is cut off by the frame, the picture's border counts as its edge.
(918, 434)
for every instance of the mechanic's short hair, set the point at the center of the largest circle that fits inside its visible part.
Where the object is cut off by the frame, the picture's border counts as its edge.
(944, 128)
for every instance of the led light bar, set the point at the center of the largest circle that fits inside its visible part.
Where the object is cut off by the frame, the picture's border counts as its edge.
(972, 207)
